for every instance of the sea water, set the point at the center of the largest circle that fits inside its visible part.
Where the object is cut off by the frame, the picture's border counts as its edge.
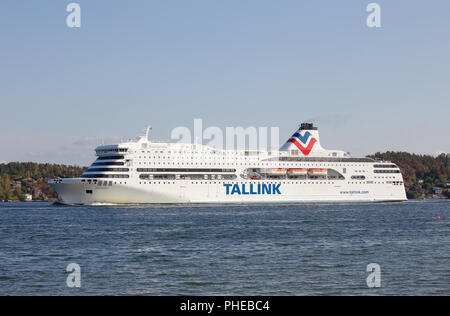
(305, 249)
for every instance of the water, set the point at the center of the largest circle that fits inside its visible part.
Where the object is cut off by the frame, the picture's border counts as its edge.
(232, 250)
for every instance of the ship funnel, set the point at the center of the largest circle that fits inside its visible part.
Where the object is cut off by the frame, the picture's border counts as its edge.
(305, 140)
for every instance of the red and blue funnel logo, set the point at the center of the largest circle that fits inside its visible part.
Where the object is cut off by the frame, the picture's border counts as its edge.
(303, 142)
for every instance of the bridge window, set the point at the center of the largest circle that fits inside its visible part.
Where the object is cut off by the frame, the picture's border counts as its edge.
(111, 157)
(386, 171)
(112, 163)
(385, 166)
(108, 170)
(105, 176)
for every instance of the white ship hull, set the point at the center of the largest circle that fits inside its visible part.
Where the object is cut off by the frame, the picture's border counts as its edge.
(72, 191)
(143, 172)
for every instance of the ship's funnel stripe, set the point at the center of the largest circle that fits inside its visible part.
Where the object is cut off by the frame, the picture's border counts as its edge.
(304, 150)
(303, 138)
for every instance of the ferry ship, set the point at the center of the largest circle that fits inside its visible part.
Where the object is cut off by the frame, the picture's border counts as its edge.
(146, 172)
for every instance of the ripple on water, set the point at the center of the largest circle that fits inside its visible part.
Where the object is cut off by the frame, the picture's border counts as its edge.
(272, 250)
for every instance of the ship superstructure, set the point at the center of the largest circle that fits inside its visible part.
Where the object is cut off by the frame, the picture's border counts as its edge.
(149, 172)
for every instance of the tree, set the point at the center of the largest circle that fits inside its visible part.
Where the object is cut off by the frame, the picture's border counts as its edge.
(5, 187)
(412, 195)
(33, 176)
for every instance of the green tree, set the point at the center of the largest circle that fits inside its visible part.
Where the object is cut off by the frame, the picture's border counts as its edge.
(412, 195)
(5, 187)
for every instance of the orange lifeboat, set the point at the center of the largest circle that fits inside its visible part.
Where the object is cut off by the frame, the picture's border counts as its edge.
(276, 172)
(318, 172)
(297, 172)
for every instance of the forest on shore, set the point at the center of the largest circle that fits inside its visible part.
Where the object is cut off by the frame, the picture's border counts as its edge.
(25, 181)
(424, 176)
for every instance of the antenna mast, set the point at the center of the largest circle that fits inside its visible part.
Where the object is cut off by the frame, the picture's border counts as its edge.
(147, 131)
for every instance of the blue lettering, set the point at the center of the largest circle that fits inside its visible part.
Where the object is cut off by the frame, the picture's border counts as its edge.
(236, 190)
(266, 189)
(276, 189)
(228, 187)
(261, 189)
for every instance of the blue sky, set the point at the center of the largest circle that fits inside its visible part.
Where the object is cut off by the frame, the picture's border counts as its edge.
(231, 63)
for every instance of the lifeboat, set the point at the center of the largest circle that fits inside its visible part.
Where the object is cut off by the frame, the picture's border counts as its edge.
(297, 172)
(276, 172)
(318, 172)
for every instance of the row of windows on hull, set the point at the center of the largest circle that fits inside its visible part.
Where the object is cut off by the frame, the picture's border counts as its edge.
(187, 177)
(206, 177)
(233, 177)
(108, 170)
(112, 150)
(316, 159)
(384, 166)
(306, 159)
(118, 157)
(183, 170)
(116, 163)
(105, 176)
(386, 171)
(288, 177)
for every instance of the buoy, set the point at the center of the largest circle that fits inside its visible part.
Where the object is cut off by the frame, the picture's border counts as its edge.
(438, 217)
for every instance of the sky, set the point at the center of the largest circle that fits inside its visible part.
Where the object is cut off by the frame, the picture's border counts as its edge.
(259, 63)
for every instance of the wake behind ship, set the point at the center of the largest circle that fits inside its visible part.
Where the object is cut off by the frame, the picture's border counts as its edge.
(302, 171)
